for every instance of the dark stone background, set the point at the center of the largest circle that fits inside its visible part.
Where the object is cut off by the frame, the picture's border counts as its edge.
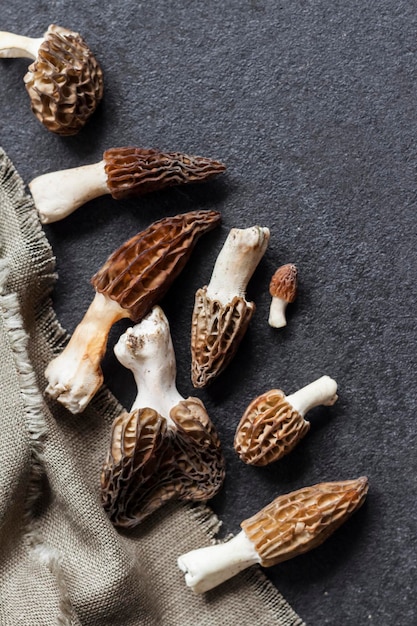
(312, 106)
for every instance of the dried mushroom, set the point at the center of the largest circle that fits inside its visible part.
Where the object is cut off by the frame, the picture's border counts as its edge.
(283, 290)
(65, 82)
(166, 447)
(273, 423)
(123, 173)
(221, 312)
(131, 281)
(290, 525)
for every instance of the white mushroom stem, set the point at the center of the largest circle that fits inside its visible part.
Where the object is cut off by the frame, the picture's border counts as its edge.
(320, 392)
(236, 262)
(16, 46)
(277, 318)
(75, 375)
(208, 567)
(147, 350)
(60, 193)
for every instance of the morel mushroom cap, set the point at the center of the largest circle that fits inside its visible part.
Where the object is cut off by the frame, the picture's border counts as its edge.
(65, 82)
(128, 285)
(123, 172)
(283, 290)
(221, 313)
(273, 424)
(167, 446)
(290, 525)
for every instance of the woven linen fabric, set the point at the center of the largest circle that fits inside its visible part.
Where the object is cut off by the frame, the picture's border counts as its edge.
(61, 560)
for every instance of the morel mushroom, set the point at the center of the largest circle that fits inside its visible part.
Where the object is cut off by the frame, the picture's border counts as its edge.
(283, 290)
(131, 281)
(65, 82)
(290, 525)
(166, 447)
(273, 423)
(221, 312)
(123, 173)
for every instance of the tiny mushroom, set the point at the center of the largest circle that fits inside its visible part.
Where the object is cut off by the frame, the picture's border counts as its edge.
(123, 173)
(283, 290)
(273, 423)
(166, 447)
(221, 312)
(65, 82)
(290, 525)
(131, 281)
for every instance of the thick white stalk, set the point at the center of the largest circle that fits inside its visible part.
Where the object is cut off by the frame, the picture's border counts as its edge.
(59, 194)
(147, 350)
(321, 391)
(208, 567)
(236, 262)
(17, 46)
(277, 317)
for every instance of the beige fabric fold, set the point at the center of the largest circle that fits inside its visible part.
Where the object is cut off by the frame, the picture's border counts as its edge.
(61, 561)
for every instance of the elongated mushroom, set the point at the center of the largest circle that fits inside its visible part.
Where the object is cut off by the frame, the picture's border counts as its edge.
(123, 173)
(221, 312)
(290, 525)
(273, 423)
(65, 82)
(166, 447)
(131, 281)
(283, 290)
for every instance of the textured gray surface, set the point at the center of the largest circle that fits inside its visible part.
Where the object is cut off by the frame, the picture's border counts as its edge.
(312, 107)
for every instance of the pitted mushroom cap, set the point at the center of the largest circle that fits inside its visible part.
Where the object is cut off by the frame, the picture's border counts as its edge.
(284, 283)
(139, 273)
(269, 429)
(65, 82)
(216, 332)
(299, 521)
(135, 171)
(150, 463)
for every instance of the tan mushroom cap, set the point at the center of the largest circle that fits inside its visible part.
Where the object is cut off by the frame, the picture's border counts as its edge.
(149, 463)
(299, 521)
(65, 82)
(284, 283)
(135, 171)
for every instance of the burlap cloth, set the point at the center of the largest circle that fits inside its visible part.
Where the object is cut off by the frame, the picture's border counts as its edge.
(61, 560)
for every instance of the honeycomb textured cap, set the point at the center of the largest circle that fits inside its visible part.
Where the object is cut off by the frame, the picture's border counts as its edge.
(65, 82)
(140, 272)
(135, 171)
(299, 521)
(149, 463)
(284, 283)
(269, 429)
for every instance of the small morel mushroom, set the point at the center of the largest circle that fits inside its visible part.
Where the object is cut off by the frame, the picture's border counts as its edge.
(166, 447)
(290, 525)
(283, 290)
(131, 281)
(273, 423)
(65, 82)
(221, 312)
(123, 173)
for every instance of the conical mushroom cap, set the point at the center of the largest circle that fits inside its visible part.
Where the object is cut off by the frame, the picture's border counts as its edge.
(65, 82)
(284, 283)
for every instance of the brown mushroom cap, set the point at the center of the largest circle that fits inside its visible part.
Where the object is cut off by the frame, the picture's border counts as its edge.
(139, 273)
(149, 463)
(135, 171)
(269, 429)
(284, 283)
(299, 521)
(65, 82)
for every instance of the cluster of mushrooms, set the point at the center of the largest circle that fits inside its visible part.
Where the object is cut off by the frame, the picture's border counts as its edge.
(166, 447)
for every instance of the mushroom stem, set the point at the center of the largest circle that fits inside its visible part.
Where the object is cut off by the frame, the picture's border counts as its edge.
(75, 375)
(205, 568)
(236, 262)
(321, 391)
(17, 46)
(277, 317)
(59, 194)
